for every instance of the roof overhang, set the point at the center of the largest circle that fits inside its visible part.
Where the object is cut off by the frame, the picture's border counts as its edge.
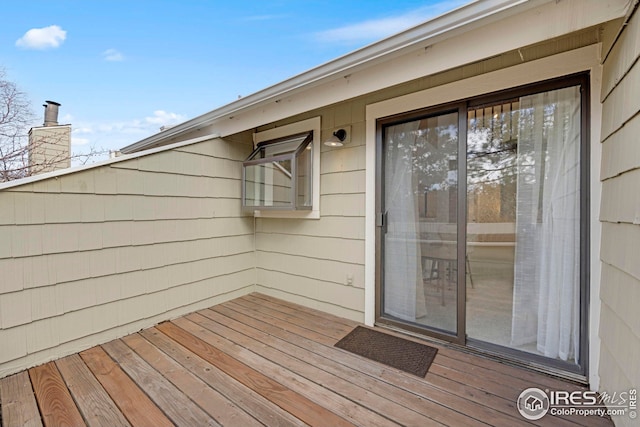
(467, 34)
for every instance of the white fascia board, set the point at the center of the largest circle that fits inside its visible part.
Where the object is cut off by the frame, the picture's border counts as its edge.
(473, 32)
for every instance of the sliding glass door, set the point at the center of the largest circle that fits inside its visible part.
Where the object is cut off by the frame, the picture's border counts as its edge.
(488, 250)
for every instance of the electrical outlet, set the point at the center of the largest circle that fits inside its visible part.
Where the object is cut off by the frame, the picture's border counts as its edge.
(349, 279)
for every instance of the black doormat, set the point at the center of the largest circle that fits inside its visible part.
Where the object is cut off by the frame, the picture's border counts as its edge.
(399, 353)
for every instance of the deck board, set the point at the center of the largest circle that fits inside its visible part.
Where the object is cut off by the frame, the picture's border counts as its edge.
(441, 397)
(179, 408)
(93, 401)
(313, 367)
(258, 360)
(349, 367)
(200, 342)
(130, 399)
(477, 376)
(19, 407)
(252, 403)
(212, 402)
(317, 396)
(54, 399)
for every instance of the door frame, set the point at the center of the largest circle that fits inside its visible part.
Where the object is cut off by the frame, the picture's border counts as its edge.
(579, 60)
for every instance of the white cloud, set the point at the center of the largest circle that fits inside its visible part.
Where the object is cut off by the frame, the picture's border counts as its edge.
(78, 135)
(79, 141)
(113, 135)
(112, 55)
(42, 38)
(380, 28)
(82, 130)
(163, 118)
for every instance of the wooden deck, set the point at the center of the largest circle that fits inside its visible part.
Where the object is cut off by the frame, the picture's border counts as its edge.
(256, 361)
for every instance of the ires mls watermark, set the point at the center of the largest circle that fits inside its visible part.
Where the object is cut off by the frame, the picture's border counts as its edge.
(534, 403)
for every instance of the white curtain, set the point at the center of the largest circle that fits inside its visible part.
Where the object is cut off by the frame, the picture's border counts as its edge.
(546, 297)
(402, 271)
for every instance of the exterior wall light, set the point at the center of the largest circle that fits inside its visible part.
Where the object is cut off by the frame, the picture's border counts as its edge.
(337, 138)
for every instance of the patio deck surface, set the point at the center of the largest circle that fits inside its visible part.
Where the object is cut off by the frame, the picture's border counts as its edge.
(257, 360)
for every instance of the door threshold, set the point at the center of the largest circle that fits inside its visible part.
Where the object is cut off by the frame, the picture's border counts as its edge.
(476, 349)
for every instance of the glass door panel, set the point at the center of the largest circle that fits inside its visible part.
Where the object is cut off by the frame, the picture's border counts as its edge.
(523, 224)
(419, 241)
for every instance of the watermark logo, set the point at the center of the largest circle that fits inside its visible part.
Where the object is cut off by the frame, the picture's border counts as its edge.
(533, 404)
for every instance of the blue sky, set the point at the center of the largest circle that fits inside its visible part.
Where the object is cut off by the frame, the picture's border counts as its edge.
(121, 69)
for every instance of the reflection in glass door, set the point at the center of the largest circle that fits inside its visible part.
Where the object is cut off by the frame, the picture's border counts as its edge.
(420, 213)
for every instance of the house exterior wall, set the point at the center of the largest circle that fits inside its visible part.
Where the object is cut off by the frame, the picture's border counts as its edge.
(620, 214)
(92, 255)
(321, 263)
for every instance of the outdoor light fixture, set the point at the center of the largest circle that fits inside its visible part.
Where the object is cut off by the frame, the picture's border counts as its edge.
(337, 138)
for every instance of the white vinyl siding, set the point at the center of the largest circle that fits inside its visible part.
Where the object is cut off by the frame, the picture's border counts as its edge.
(620, 215)
(92, 255)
